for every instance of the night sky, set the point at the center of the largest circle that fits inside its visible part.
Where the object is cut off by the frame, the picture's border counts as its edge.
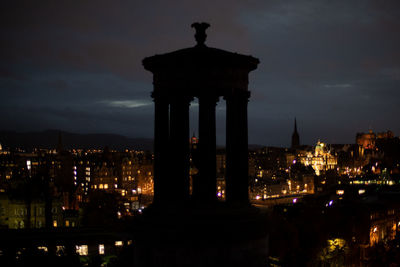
(76, 65)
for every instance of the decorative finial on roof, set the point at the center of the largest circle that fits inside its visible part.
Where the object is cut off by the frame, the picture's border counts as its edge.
(200, 32)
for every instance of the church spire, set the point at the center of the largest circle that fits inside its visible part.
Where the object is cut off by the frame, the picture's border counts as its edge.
(295, 136)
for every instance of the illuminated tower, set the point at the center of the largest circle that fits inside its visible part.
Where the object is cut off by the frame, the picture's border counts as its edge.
(295, 136)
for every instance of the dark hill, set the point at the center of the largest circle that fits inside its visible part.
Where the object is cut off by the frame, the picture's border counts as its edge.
(49, 139)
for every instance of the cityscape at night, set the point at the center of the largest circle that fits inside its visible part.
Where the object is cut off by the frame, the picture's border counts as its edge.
(200, 134)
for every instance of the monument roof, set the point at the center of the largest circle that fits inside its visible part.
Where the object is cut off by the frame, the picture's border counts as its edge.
(200, 57)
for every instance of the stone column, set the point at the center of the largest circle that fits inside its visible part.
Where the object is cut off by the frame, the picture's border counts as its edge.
(161, 137)
(207, 150)
(237, 148)
(179, 149)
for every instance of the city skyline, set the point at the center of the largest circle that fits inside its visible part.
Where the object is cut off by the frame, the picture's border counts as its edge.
(333, 66)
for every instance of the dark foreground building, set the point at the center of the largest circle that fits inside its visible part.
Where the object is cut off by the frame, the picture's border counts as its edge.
(183, 229)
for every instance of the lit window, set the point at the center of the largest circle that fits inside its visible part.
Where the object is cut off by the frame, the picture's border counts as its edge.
(66, 223)
(82, 250)
(119, 243)
(101, 249)
(54, 223)
(60, 250)
(100, 186)
(43, 249)
(105, 186)
(339, 192)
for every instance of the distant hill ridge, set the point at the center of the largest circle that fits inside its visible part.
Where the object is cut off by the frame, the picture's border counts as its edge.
(49, 139)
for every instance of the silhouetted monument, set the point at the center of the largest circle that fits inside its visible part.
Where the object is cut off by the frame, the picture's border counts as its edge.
(183, 230)
(206, 73)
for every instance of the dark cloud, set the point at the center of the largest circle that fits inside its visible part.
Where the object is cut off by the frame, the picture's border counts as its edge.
(335, 65)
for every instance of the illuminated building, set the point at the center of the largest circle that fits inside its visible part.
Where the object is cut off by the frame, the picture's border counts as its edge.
(385, 135)
(63, 175)
(3, 151)
(221, 188)
(384, 225)
(321, 160)
(366, 140)
(14, 214)
(351, 158)
(145, 181)
(105, 178)
(221, 168)
(82, 174)
(128, 175)
(106, 174)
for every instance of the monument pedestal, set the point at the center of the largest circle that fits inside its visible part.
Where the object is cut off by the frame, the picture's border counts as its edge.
(221, 236)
